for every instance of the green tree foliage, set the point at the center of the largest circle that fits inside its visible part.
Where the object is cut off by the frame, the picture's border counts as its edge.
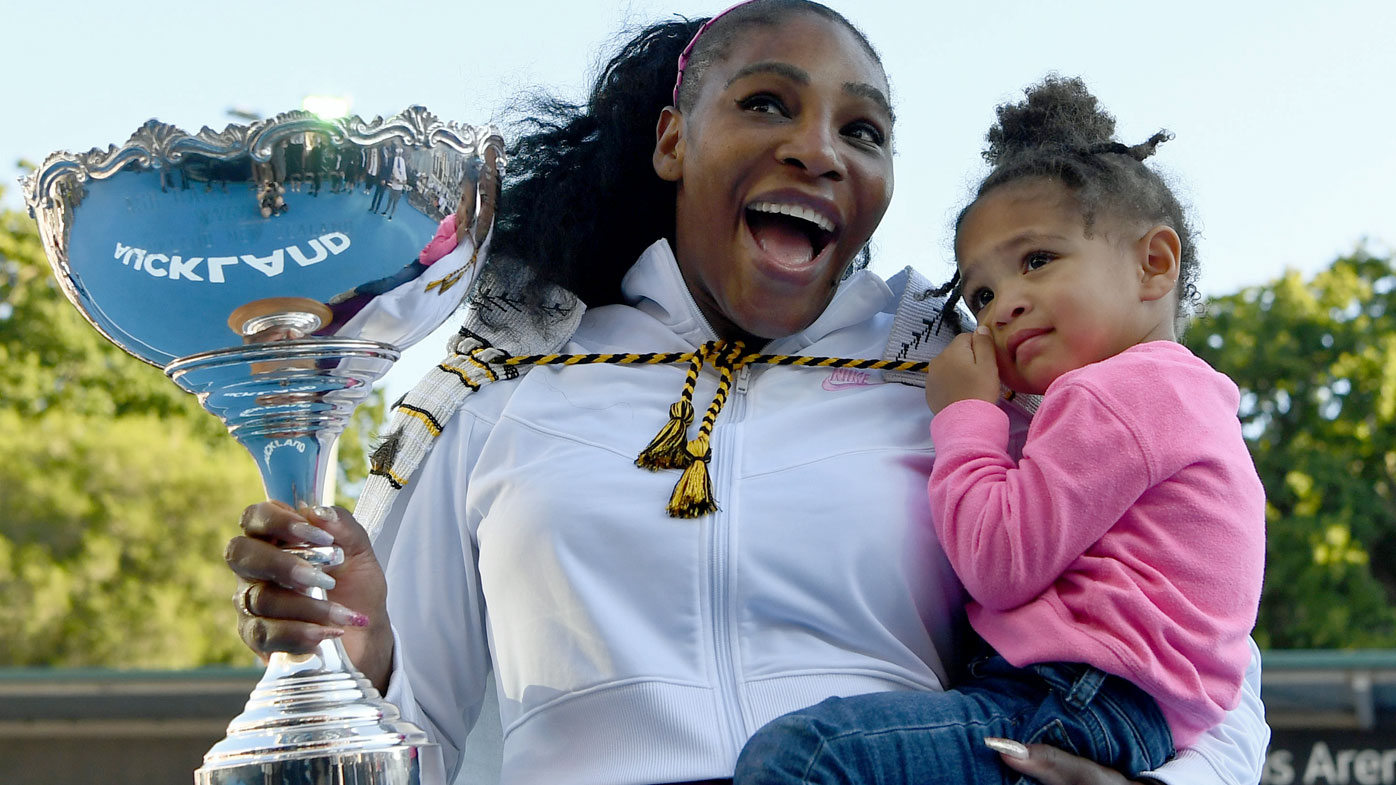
(118, 492)
(113, 534)
(50, 357)
(355, 444)
(1316, 362)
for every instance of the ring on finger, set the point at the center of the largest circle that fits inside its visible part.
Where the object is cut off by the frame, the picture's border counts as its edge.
(244, 602)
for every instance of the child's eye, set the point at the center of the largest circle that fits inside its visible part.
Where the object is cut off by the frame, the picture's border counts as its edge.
(764, 103)
(978, 299)
(865, 132)
(1036, 259)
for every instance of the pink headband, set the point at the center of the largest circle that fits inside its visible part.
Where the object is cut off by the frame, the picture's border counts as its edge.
(688, 50)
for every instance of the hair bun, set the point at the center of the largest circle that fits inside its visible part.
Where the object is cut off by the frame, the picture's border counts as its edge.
(1056, 113)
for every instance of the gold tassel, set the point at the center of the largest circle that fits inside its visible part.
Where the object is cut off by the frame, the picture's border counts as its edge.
(693, 495)
(666, 450)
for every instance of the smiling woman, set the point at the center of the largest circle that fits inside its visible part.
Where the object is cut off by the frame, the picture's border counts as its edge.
(779, 133)
(715, 190)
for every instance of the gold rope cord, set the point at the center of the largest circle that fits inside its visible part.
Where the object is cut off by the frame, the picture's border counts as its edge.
(671, 448)
(653, 358)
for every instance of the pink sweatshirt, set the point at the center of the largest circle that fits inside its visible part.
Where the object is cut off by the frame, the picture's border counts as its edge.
(442, 243)
(1129, 536)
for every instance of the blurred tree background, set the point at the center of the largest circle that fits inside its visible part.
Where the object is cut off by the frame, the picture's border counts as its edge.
(118, 491)
(1316, 362)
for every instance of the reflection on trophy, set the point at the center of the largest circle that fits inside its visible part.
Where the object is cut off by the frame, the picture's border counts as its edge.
(272, 270)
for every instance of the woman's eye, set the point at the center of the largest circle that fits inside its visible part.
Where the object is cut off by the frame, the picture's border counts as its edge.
(866, 133)
(762, 102)
(1036, 259)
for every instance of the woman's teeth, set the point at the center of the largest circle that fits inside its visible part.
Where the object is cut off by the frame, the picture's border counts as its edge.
(795, 211)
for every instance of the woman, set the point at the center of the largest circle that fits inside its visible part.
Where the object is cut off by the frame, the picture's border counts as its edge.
(630, 646)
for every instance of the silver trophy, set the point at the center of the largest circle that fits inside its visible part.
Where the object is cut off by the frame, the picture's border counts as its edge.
(272, 270)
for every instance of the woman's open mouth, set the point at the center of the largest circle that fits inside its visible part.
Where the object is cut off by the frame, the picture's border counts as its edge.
(793, 236)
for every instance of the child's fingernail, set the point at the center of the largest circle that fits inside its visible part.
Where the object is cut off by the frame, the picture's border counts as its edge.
(312, 534)
(982, 330)
(1007, 747)
(311, 577)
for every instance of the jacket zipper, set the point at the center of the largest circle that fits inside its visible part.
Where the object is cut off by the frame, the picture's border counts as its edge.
(719, 544)
(724, 643)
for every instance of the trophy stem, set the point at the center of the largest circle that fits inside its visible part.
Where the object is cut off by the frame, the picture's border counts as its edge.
(286, 402)
(312, 719)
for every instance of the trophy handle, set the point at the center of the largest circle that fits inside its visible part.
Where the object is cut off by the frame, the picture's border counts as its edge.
(480, 196)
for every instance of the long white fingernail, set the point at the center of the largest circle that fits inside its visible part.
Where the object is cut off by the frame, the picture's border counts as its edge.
(311, 533)
(345, 617)
(311, 578)
(326, 514)
(1007, 747)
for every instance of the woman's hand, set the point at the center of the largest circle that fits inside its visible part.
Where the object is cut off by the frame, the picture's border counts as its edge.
(1051, 766)
(274, 613)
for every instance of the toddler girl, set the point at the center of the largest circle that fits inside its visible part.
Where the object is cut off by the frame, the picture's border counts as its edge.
(1115, 567)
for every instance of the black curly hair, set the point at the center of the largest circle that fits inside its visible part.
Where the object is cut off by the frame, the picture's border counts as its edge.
(581, 198)
(1061, 133)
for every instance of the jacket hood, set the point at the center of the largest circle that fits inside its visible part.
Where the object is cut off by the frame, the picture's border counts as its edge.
(656, 286)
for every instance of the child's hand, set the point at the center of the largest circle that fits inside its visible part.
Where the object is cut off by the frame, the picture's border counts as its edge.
(964, 370)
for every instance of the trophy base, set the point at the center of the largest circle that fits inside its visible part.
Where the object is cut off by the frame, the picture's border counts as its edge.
(397, 766)
(314, 720)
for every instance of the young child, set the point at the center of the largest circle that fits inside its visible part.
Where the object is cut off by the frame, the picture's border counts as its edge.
(1116, 566)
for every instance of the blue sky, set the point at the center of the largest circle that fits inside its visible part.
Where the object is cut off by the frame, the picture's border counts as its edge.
(1283, 110)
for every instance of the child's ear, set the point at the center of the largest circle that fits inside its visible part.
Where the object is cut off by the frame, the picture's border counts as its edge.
(669, 145)
(1161, 254)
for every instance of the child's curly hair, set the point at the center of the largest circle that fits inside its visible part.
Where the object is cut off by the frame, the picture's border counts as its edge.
(1060, 132)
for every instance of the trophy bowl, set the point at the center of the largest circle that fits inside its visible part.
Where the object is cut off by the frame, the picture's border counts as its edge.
(273, 270)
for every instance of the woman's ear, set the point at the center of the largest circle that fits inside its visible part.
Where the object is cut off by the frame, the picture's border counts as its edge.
(669, 145)
(1161, 254)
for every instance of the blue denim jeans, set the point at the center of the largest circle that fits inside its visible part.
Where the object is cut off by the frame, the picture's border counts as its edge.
(925, 738)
